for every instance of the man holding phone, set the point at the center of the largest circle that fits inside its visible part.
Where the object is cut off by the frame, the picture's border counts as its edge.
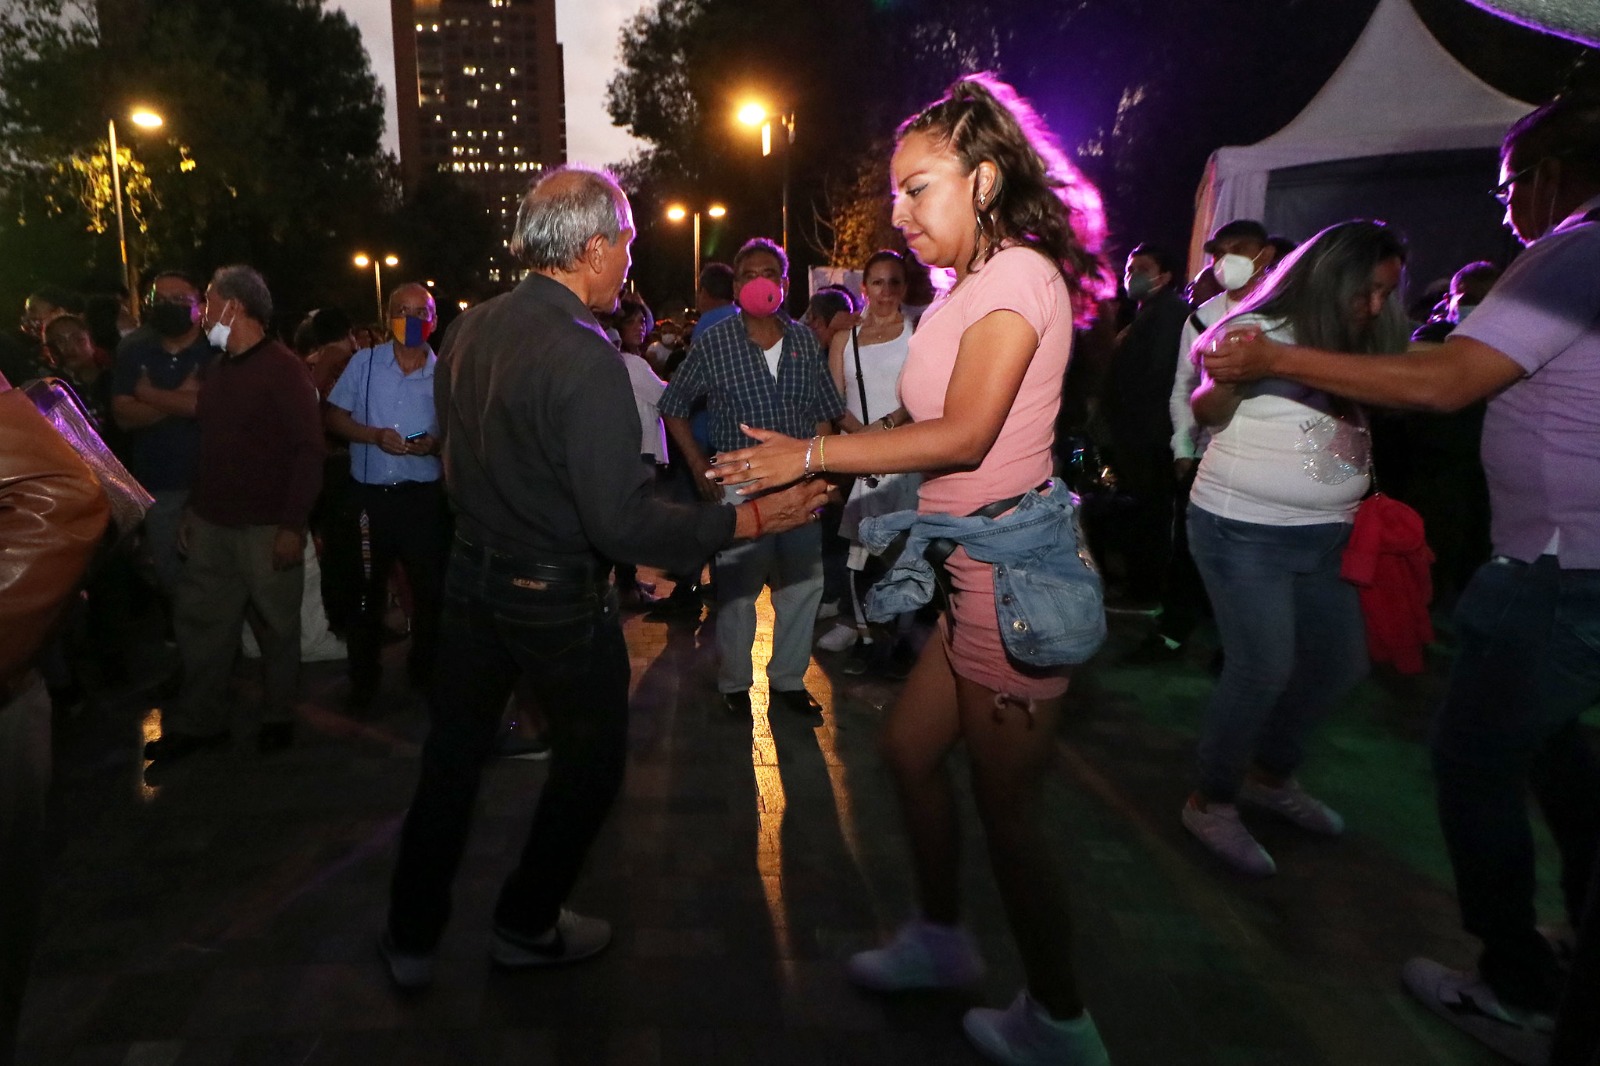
(383, 405)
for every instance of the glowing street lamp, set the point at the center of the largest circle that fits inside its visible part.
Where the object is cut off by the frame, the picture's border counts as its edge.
(677, 213)
(755, 114)
(363, 260)
(147, 119)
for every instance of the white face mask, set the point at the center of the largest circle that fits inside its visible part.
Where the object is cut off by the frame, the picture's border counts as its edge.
(218, 335)
(669, 339)
(1233, 271)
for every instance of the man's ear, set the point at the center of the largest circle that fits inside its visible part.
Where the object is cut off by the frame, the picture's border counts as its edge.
(594, 253)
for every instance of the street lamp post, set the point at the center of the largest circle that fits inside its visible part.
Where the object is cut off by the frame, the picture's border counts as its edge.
(149, 120)
(363, 260)
(754, 114)
(677, 213)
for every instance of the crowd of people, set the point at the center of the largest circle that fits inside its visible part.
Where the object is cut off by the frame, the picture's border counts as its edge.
(492, 496)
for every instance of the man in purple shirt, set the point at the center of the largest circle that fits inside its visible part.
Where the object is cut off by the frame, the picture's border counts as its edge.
(244, 530)
(1529, 623)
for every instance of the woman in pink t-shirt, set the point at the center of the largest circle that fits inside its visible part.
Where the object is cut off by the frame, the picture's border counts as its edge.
(979, 188)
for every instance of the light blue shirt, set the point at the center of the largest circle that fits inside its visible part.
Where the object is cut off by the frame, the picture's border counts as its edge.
(375, 393)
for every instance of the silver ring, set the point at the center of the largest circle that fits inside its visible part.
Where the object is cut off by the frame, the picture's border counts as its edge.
(747, 464)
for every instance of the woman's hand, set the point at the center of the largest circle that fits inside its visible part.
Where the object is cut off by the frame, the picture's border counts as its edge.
(778, 460)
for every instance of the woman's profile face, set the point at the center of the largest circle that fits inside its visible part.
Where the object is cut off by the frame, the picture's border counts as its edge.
(632, 330)
(933, 195)
(885, 286)
(1368, 304)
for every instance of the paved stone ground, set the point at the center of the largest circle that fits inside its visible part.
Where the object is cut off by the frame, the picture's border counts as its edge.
(228, 912)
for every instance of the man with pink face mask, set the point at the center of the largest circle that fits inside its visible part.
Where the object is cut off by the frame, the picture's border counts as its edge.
(761, 369)
(383, 405)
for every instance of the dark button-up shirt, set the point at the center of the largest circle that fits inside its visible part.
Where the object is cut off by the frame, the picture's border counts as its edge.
(541, 440)
(260, 440)
(730, 370)
(1139, 383)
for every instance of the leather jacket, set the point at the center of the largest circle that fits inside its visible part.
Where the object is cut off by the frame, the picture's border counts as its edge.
(52, 516)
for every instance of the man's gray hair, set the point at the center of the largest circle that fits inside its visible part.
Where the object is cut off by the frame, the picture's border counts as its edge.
(565, 210)
(246, 285)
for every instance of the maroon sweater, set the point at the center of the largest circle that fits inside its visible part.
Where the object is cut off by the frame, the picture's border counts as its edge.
(260, 440)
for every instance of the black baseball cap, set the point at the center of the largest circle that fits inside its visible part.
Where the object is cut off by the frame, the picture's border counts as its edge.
(1239, 227)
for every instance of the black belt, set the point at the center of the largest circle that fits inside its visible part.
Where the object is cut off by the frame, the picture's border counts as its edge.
(521, 566)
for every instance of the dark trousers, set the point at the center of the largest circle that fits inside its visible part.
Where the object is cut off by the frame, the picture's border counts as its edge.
(506, 619)
(1577, 1037)
(1183, 601)
(1145, 479)
(408, 522)
(1528, 666)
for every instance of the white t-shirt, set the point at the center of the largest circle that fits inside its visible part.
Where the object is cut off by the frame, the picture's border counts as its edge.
(774, 354)
(1289, 456)
(1189, 438)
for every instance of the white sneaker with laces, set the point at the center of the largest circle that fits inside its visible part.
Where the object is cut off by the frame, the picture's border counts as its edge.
(1218, 828)
(921, 955)
(839, 638)
(1024, 1035)
(1295, 804)
(1465, 1000)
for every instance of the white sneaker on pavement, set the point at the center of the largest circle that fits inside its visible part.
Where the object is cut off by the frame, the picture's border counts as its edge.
(921, 955)
(1465, 1000)
(1295, 804)
(571, 939)
(1218, 827)
(839, 638)
(1024, 1035)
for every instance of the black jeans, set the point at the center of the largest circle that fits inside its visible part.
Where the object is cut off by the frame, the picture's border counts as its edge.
(409, 522)
(1528, 667)
(506, 618)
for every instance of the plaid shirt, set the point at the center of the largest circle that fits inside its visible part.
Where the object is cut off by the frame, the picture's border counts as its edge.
(730, 370)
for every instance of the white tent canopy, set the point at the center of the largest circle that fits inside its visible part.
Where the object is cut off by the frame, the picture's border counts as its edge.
(1397, 92)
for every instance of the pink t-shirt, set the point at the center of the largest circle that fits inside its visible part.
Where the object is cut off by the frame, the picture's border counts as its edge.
(1017, 279)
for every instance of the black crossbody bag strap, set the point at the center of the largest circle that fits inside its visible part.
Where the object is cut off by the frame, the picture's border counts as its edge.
(861, 379)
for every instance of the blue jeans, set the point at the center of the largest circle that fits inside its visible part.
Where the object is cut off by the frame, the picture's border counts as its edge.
(1528, 666)
(505, 619)
(1293, 636)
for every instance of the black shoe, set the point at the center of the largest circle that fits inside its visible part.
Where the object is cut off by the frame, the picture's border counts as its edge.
(737, 703)
(675, 608)
(797, 700)
(860, 658)
(171, 747)
(274, 736)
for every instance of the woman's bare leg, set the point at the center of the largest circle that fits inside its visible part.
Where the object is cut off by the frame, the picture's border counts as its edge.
(921, 729)
(1010, 750)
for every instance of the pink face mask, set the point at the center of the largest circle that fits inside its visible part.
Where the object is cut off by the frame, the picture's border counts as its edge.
(760, 297)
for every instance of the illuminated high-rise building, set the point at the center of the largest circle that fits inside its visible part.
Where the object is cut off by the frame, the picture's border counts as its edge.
(480, 96)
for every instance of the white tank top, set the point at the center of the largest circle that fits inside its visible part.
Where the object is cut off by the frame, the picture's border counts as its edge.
(880, 369)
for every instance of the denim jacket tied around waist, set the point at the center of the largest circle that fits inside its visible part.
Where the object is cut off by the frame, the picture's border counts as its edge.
(1048, 593)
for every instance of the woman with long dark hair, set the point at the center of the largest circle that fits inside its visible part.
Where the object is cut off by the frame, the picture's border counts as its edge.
(1269, 516)
(979, 188)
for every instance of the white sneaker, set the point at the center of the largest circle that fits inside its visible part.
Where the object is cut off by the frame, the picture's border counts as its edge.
(1466, 1001)
(839, 638)
(921, 955)
(1024, 1035)
(572, 938)
(1295, 804)
(1218, 828)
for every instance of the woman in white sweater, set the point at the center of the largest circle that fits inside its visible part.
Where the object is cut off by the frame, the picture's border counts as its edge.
(1269, 515)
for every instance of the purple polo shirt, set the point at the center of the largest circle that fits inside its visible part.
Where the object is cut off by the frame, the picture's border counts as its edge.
(1541, 436)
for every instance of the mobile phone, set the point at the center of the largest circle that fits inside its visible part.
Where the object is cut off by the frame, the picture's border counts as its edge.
(416, 436)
